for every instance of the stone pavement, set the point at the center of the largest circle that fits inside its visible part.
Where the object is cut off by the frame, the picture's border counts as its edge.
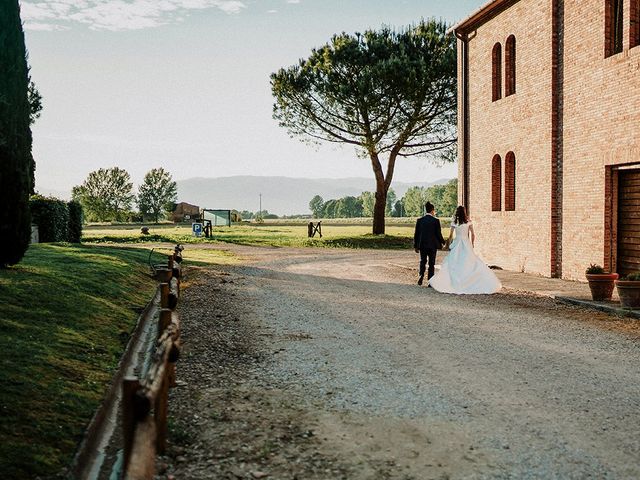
(549, 287)
(566, 291)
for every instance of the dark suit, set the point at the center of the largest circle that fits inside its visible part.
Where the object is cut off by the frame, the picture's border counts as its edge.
(428, 239)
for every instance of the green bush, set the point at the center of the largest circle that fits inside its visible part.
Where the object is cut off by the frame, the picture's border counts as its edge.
(74, 230)
(634, 277)
(52, 217)
(594, 269)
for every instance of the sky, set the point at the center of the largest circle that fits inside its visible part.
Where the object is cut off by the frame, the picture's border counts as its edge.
(184, 85)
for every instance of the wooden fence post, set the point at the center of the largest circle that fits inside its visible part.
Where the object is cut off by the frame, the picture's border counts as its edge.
(173, 358)
(160, 413)
(130, 386)
(177, 271)
(164, 295)
(163, 321)
(142, 464)
(174, 293)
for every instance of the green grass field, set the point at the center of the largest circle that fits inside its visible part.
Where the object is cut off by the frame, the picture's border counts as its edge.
(67, 313)
(334, 236)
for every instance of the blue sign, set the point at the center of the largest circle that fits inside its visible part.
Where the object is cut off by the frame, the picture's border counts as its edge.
(196, 228)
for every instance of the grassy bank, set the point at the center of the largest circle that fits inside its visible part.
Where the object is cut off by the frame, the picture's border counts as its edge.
(334, 236)
(66, 315)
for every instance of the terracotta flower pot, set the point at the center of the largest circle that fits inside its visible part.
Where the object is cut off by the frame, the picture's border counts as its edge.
(601, 285)
(629, 292)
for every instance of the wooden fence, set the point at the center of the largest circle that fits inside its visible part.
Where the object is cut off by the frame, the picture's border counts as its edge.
(144, 400)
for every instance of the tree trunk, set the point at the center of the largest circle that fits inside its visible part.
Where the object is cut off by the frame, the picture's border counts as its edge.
(379, 209)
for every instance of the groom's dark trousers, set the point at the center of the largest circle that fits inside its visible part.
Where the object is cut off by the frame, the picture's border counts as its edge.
(429, 255)
(428, 239)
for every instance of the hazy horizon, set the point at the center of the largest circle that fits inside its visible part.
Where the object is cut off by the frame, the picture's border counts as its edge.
(66, 194)
(279, 194)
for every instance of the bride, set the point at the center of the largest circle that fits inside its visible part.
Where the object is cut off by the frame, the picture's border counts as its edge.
(463, 271)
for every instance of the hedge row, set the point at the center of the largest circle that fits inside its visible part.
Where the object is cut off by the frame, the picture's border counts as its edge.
(57, 220)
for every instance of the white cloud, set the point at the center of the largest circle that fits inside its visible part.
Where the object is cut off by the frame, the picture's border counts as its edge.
(231, 6)
(47, 27)
(293, 1)
(116, 14)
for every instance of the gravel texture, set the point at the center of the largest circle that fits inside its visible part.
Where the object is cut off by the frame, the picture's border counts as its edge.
(333, 364)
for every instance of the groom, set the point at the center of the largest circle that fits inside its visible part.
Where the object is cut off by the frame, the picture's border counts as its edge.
(427, 240)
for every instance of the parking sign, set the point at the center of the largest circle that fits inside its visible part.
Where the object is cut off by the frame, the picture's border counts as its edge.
(196, 229)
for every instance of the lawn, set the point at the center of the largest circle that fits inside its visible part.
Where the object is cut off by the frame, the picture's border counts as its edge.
(334, 236)
(67, 312)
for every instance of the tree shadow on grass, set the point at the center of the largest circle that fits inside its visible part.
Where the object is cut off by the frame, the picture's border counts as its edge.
(385, 242)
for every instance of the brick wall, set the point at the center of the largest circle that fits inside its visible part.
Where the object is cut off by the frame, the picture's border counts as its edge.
(519, 123)
(601, 128)
(598, 128)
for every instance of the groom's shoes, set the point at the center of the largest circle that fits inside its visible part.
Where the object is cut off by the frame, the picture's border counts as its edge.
(420, 279)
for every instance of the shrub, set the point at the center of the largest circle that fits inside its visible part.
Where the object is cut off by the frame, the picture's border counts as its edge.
(16, 161)
(74, 230)
(594, 269)
(52, 217)
(633, 277)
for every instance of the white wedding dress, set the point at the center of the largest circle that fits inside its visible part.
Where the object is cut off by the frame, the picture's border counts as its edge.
(463, 272)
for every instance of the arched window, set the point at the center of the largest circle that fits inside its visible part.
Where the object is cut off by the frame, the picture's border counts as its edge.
(510, 66)
(496, 183)
(613, 26)
(496, 72)
(510, 182)
(634, 32)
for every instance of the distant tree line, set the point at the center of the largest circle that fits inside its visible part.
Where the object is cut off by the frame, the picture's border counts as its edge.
(444, 197)
(349, 206)
(107, 195)
(261, 214)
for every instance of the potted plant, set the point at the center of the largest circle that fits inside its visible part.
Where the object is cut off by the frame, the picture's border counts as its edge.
(629, 290)
(601, 283)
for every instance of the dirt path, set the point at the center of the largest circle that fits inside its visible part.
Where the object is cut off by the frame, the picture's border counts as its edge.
(323, 364)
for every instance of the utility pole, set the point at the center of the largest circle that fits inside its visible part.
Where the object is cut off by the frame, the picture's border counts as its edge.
(260, 211)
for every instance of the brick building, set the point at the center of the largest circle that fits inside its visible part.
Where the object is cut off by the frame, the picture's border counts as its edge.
(549, 133)
(185, 212)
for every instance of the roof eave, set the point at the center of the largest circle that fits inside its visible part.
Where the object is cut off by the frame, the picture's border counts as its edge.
(481, 15)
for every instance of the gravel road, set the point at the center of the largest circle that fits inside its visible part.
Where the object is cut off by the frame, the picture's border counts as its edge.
(334, 364)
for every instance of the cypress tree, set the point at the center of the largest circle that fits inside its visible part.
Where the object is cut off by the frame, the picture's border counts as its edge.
(15, 137)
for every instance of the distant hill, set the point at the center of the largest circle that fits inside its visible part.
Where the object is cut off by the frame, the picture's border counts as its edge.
(280, 195)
